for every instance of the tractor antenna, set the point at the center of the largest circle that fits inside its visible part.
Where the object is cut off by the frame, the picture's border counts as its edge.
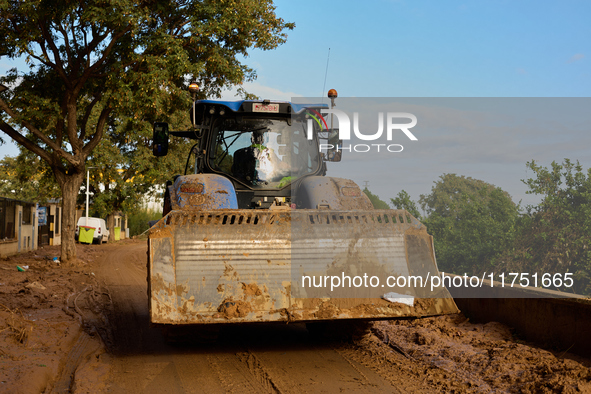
(325, 74)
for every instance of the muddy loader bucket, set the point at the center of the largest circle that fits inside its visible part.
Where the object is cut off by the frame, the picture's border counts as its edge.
(295, 265)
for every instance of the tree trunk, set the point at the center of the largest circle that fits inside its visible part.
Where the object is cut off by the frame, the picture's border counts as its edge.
(111, 226)
(70, 186)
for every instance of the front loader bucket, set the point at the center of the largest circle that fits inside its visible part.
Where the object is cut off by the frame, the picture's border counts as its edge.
(252, 266)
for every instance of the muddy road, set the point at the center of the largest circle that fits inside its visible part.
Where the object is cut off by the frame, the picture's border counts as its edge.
(87, 331)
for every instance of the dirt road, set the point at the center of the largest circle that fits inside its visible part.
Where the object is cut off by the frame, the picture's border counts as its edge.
(88, 331)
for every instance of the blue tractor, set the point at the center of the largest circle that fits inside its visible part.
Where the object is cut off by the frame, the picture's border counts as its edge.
(255, 231)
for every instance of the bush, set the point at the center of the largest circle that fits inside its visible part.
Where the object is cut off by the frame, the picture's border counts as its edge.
(554, 237)
(138, 220)
(472, 223)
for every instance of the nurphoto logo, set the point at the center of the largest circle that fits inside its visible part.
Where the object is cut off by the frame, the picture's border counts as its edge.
(393, 124)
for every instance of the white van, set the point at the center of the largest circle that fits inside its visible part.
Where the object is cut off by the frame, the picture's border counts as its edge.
(101, 233)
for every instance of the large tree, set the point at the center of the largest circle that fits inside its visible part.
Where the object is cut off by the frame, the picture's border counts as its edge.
(90, 60)
(554, 237)
(471, 221)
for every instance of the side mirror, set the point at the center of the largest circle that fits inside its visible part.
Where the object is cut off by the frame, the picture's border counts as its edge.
(335, 152)
(160, 139)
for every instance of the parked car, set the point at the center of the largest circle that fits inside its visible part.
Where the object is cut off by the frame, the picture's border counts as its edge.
(101, 233)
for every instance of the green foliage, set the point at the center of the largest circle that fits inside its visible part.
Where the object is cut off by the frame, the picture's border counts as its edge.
(95, 63)
(555, 236)
(403, 201)
(138, 220)
(375, 200)
(27, 178)
(471, 221)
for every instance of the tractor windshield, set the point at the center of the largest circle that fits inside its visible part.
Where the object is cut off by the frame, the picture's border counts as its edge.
(262, 153)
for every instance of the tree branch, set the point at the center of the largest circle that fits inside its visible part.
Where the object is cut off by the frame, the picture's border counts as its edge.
(36, 132)
(61, 29)
(28, 144)
(47, 62)
(59, 66)
(90, 70)
(71, 117)
(100, 130)
(87, 113)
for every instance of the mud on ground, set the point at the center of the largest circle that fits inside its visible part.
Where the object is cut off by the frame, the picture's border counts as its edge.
(455, 355)
(56, 322)
(50, 315)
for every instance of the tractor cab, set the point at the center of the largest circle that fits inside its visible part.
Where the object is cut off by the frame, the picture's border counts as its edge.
(262, 147)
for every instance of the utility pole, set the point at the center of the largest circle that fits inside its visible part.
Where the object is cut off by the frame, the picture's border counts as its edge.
(87, 191)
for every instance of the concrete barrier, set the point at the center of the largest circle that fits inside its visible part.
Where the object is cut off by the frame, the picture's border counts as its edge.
(537, 315)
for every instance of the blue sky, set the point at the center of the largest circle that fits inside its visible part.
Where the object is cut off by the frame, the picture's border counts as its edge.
(432, 48)
(396, 48)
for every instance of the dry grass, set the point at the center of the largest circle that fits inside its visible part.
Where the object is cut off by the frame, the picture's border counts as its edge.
(18, 325)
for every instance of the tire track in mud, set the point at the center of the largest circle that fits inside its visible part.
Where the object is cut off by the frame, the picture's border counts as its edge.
(81, 347)
(237, 375)
(257, 369)
(293, 362)
(406, 379)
